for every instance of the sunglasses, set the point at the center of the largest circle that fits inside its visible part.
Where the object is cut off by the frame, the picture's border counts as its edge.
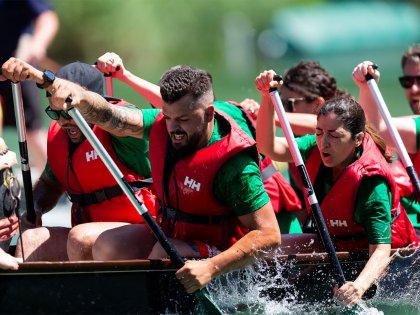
(407, 81)
(55, 114)
(289, 103)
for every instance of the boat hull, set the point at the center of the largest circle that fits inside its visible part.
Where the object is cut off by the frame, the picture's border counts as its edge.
(149, 287)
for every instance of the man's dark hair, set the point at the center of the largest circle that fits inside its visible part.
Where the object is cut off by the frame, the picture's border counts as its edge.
(412, 53)
(185, 80)
(311, 80)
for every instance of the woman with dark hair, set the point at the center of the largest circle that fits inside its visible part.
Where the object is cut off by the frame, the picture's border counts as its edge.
(348, 166)
(306, 86)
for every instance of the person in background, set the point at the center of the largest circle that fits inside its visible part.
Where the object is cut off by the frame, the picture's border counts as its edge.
(347, 165)
(27, 28)
(9, 201)
(74, 168)
(408, 127)
(284, 200)
(8, 228)
(306, 86)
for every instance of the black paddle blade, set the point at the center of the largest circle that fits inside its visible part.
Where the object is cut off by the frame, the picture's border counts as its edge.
(207, 306)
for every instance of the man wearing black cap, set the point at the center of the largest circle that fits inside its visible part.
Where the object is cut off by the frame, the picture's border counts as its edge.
(74, 167)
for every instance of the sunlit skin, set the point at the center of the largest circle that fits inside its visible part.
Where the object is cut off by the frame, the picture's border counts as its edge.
(336, 146)
(70, 128)
(189, 123)
(302, 106)
(412, 68)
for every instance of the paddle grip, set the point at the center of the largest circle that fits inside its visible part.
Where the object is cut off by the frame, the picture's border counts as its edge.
(277, 78)
(369, 76)
(27, 182)
(163, 240)
(414, 179)
(108, 74)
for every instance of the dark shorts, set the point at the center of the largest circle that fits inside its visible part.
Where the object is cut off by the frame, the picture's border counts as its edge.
(31, 105)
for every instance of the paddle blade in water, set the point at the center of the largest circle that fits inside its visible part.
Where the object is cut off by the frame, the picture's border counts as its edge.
(207, 305)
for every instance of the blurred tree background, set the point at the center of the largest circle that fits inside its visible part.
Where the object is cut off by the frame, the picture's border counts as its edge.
(235, 40)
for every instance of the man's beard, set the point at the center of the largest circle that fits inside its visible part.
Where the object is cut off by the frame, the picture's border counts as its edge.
(192, 146)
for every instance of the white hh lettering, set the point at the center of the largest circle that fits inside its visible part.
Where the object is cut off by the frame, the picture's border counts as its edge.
(338, 223)
(192, 183)
(92, 155)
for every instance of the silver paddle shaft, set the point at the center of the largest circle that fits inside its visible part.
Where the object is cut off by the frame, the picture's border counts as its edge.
(291, 141)
(20, 120)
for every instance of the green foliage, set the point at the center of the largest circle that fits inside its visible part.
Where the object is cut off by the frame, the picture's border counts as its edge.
(152, 36)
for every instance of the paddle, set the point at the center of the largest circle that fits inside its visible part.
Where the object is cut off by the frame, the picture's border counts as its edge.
(402, 151)
(109, 86)
(310, 193)
(109, 90)
(202, 295)
(23, 149)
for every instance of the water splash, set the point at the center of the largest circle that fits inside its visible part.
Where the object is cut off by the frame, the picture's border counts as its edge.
(274, 288)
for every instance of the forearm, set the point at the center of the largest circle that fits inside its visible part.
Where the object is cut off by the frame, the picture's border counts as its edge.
(46, 194)
(150, 91)
(267, 142)
(120, 121)
(373, 115)
(45, 29)
(302, 124)
(375, 266)
(266, 130)
(245, 251)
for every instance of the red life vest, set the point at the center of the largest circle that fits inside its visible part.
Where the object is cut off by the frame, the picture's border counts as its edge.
(88, 174)
(339, 203)
(281, 193)
(405, 186)
(194, 213)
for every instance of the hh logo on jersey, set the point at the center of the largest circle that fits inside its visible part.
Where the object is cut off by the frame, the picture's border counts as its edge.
(92, 155)
(192, 183)
(338, 223)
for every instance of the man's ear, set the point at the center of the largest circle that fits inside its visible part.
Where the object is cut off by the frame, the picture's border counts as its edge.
(209, 113)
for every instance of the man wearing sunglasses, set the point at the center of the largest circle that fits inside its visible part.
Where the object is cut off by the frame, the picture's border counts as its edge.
(73, 167)
(408, 127)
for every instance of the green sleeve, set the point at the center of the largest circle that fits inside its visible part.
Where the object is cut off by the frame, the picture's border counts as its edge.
(134, 152)
(417, 122)
(149, 116)
(236, 114)
(305, 145)
(373, 209)
(238, 184)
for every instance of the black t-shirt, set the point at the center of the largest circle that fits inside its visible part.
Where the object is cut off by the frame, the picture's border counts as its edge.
(16, 18)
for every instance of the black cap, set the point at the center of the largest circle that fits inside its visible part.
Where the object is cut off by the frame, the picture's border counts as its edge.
(84, 74)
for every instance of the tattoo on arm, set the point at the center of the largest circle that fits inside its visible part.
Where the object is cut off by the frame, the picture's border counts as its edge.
(115, 119)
